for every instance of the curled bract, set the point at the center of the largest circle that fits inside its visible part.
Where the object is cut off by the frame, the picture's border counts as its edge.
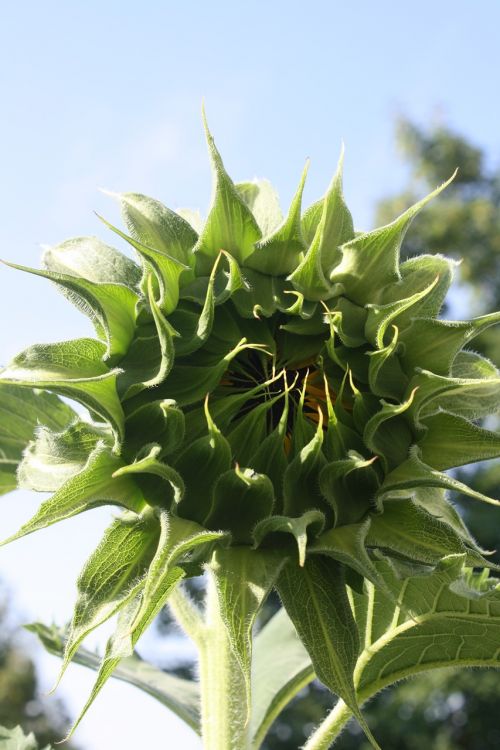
(272, 382)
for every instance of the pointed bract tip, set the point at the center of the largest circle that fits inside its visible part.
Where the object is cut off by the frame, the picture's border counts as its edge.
(55, 686)
(65, 739)
(101, 218)
(212, 427)
(110, 193)
(320, 420)
(205, 121)
(303, 176)
(445, 183)
(351, 382)
(340, 162)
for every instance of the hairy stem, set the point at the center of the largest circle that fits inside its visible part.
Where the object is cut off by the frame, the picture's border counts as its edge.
(224, 703)
(187, 614)
(329, 729)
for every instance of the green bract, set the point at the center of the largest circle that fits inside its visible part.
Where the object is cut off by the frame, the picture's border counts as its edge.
(273, 399)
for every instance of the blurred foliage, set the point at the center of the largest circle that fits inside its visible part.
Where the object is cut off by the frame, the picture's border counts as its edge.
(20, 700)
(442, 710)
(464, 221)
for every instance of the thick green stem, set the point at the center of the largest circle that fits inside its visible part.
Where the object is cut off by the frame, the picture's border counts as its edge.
(328, 731)
(224, 700)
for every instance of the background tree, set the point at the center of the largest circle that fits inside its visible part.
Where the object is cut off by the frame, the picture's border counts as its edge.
(464, 221)
(21, 702)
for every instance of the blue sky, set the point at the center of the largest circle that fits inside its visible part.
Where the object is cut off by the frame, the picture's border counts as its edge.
(107, 94)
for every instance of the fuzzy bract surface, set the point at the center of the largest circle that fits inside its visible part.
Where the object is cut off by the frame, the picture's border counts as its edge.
(279, 383)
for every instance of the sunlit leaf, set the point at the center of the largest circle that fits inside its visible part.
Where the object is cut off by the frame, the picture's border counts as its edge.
(21, 411)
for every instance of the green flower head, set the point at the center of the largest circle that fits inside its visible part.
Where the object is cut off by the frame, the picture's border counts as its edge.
(267, 382)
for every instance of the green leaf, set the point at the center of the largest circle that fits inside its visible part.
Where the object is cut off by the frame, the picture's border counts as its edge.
(414, 473)
(74, 369)
(433, 344)
(310, 220)
(189, 383)
(262, 297)
(270, 457)
(241, 498)
(193, 218)
(371, 261)
(177, 541)
(91, 259)
(308, 277)
(150, 464)
(465, 396)
(211, 455)
(54, 457)
(279, 252)
(157, 349)
(178, 538)
(193, 326)
(347, 545)
(385, 374)
(281, 667)
(387, 433)
(418, 273)
(448, 618)
(451, 441)
(249, 432)
(122, 642)
(164, 422)
(436, 502)
(311, 522)
(443, 619)
(91, 487)
(111, 307)
(336, 220)
(406, 529)
(469, 365)
(340, 438)
(157, 227)
(300, 483)
(234, 280)
(111, 576)
(381, 316)
(364, 405)
(243, 579)
(314, 326)
(348, 320)
(230, 224)
(167, 270)
(21, 410)
(297, 349)
(175, 693)
(349, 485)
(224, 407)
(315, 598)
(334, 229)
(262, 200)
